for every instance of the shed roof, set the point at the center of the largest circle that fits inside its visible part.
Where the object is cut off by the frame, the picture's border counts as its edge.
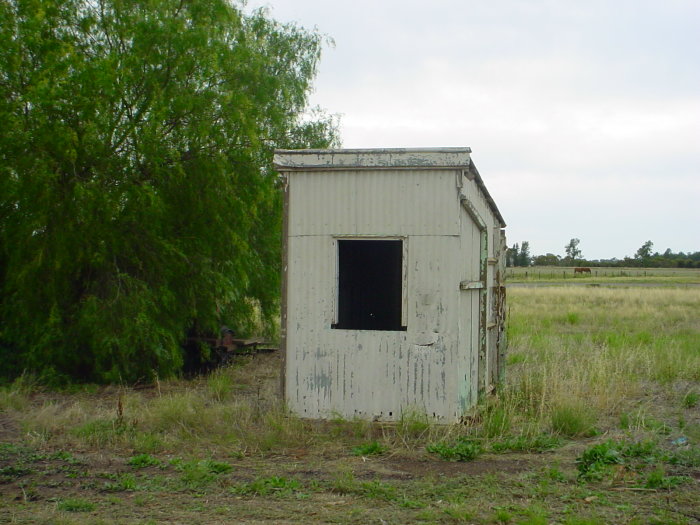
(387, 158)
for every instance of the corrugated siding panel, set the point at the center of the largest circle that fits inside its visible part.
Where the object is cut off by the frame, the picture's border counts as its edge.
(433, 366)
(374, 202)
(373, 373)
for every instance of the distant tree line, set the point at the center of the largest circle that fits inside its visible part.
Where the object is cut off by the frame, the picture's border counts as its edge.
(645, 257)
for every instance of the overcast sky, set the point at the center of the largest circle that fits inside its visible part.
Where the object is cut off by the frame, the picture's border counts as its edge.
(583, 116)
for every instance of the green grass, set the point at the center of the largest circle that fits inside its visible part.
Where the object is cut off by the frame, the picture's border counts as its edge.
(597, 423)
(691, 399)
(143, 461)
(460, 450)
(272, 486)
(373, 448)
(75, 505)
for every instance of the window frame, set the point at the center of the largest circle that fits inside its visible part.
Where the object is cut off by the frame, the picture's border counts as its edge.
(404, 277)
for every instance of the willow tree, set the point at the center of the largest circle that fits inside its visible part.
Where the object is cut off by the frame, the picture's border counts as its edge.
(137, 198)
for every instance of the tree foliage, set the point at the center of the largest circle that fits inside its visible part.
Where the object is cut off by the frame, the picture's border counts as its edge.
(519, 255)
(644, 251)
(136, 195)
(572, 250)
(524, 257)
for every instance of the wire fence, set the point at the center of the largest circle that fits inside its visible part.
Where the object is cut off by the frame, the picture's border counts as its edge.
(560, 273)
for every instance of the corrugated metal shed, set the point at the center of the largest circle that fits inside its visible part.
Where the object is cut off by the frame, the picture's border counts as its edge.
(392, 295)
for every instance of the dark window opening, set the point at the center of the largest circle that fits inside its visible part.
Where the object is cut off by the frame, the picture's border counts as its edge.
(369, 284)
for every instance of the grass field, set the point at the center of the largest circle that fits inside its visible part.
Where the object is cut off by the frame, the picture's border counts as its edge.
(598, 422)
(656, 276)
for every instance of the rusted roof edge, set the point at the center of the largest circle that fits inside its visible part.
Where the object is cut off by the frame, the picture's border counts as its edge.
(427, 158)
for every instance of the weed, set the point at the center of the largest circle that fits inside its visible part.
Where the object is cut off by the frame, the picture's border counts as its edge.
(573, 420)
(459, 512)
(220, 384)
(461, 450)
(689, 457)
(8, 474)
(11, 399)
(503, 516)
(691, 399)
(356, 427)
(75, 505)
(9, 449)
(413, 424)
(373, 448)
(102, 432)
(573, 318)
(595, 463)
(344, 483)
(597, 458)
(497, 422)
(121, 483)
(67, 457)
(515, 358)
(143, 461)
(657, 479)
(410, 503)
(376, 490)
(147, 442)
(554, 474)
(277, 486)
(217, 467)
(196, 475)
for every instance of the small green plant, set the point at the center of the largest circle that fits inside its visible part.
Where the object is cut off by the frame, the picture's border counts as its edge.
(515, 358)
(220, 384)
(67, 457)
(12, 472)
(573, 420)
(217, 467)
(75, 505)
(573, 318)
(344, 483)
(413, 424)
(691, 399)
(102, 432)
(121, 483)
(503, 516)
(373, 448)
(497, 422)
(554, 474)
(278, 486)
(462, 450)
(657, 479)
(377, 490)
(196, 475)
(596, 459)
(689, 457)
(143, 461)
(356, 427)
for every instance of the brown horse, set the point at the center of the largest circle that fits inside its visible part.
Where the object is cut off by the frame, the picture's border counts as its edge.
(582, 270)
